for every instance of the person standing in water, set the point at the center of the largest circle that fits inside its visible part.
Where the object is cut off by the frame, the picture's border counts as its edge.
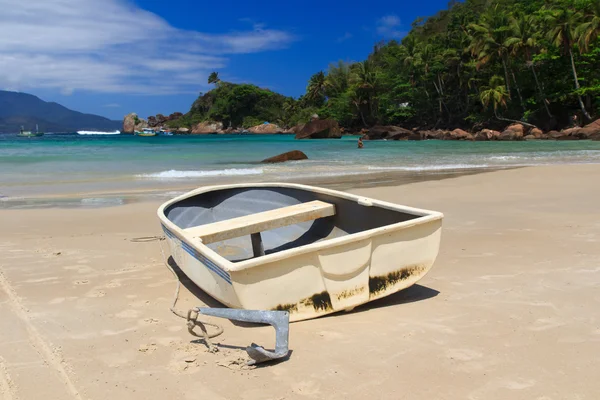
(360, 143)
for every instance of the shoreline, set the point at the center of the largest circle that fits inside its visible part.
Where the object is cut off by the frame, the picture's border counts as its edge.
(171, 189)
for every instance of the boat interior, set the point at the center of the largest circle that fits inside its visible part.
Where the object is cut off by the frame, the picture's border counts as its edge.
(243, 223)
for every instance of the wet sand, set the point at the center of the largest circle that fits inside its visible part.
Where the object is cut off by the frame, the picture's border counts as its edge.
(509, 310)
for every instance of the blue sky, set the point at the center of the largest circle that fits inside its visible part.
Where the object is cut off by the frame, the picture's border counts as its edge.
(112, 57)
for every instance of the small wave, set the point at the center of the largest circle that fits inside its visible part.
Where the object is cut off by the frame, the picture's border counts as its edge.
(442, 167)
(98, 133)
(505, 158)
(175, 174)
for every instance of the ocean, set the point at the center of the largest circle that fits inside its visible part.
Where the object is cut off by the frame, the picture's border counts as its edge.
(99, 169)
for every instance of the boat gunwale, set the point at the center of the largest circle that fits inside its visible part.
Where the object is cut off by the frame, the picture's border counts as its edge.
(423, 216)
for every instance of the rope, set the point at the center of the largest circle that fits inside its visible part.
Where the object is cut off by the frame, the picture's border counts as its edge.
(192, 315)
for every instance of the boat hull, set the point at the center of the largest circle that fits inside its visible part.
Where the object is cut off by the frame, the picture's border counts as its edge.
(320, 278)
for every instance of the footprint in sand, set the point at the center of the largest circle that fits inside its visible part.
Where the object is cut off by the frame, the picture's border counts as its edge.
(150, 321)
(113, 284)
(81, 282)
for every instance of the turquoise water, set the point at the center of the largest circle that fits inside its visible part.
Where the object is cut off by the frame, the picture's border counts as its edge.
(71, 163)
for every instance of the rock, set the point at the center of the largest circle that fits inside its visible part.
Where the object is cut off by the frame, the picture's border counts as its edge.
(536, 132)
(458, 134)
(513, 132)
(183, 130)
(389, 132)
(530, 137)
(265, 129)
(175, 115)
(207, 127)
(595, 137)
(436, 135)
(293, 155)
(592, 129)
(320, 129)
(486, 134)
(554, 135)
(161, 119)
(152, 122)
(129, 123)
(415, 136)
(567, 137)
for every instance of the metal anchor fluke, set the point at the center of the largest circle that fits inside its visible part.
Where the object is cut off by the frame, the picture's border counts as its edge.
(280, 320)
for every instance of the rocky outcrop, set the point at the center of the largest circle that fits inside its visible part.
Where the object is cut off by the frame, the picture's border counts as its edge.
(207, 127)
(129, 123)
(294, 155)
(320, 129)
(536, 133)
(486, 135)
(265, 129)
(437, 134)
(458, 134)
(388, 132)
(183, 130)
(513, 132)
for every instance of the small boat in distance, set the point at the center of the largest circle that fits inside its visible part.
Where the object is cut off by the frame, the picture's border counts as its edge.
(98, 133)
(163, 132)
(24, 133)
(146, 132)
(296, 248)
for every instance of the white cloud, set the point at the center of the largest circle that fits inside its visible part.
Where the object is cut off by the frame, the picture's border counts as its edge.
(112, 46)
(389, 26)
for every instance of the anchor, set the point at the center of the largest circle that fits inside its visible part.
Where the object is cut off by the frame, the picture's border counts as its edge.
(280, 320)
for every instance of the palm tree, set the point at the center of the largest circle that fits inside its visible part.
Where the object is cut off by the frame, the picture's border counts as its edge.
(497, 94)
(337, 79)
(488, 38)
(315, 91)
(524, 40)
(562, 25)
(589, 30)
(365, 80)
(214, 78)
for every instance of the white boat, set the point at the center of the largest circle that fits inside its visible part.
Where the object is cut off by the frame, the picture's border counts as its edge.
(146, 132)
(98, 133)
(303, 249)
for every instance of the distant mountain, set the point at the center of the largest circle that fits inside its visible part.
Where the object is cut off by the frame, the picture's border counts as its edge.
(22, 109)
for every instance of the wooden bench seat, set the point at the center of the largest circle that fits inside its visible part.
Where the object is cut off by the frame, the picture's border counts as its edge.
(264, 221)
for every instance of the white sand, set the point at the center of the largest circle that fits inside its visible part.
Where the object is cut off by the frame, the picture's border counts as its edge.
(511, 309)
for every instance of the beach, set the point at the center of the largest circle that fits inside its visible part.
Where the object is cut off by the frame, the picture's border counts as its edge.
(509, 310)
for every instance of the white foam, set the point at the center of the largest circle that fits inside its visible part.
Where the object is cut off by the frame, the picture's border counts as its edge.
(98, 133)
(506, 158)
(175, 174)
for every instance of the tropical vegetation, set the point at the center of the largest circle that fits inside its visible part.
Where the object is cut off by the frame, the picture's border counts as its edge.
(478, 63)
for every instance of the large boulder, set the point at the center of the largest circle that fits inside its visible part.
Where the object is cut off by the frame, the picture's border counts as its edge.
(513, 132)
(592, 129)
(458, 134)
(437, 134)
(294, 155)
(536, 133)
(183, 130)
(388, 132)
(152, 122)
(320, 129)
(486, 135)
(129, 123)
(265, 129)
(207, 127)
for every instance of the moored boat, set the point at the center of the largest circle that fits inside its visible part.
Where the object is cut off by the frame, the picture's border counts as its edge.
(146, 132)
(24, 133)
(306, 250)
